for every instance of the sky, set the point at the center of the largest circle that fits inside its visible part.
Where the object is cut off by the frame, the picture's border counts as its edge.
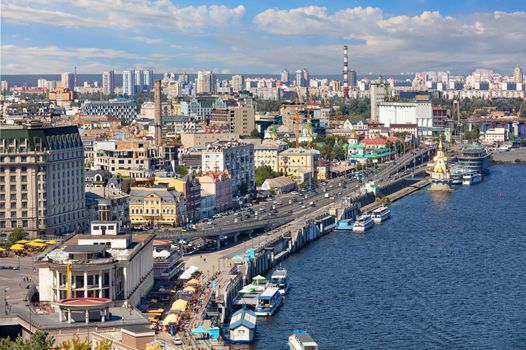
(384, 36)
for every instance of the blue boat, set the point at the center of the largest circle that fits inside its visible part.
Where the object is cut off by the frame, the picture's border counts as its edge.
(344, 225)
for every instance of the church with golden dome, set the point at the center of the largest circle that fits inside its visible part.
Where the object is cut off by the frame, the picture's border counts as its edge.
(440, 177)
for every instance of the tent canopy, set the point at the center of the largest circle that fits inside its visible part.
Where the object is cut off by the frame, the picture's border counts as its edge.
(52, 241)
(22, 241)
(199, 329)
(189, 289)
(179, 305)
(193, 282)
(17, 247)
(187, 274)
(161, 254)
(171, 318)
(259, 278)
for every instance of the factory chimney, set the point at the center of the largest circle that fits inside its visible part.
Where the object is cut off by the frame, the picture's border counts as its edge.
(157, 112)
(345, 73)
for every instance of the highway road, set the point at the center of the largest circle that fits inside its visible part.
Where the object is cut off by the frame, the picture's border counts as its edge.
(292, 205)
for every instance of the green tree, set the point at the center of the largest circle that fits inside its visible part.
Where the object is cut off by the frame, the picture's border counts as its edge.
(254, 133)
(17, 234)
(104, 345)
(181, 170)
(263, 173)
(75, 344)
(40, 340)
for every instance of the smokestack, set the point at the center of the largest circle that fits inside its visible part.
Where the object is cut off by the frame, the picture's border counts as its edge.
(157, 111)
(345, 73)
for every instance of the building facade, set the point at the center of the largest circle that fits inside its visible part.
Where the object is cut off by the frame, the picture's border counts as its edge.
(300, 164)
(124, 109)
(237, 158)
(41, 179)
(218, 184)
(128, 82)
(156, 205)
(108, 82)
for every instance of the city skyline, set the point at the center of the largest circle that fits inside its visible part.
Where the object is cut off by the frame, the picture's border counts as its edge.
(228, 37)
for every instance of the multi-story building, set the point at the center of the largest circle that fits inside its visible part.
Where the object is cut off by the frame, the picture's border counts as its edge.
(218, 184)
(190, 187)
(300, 164)
(148, 80)
(4, 87)
(68, 80)
(201, 139)
(299, 78)
(139, 81)
(130, 158)
(205, 82)
(128, 82)
(494, 135)
(237, 158)
(284, 76)
(41, 179)
(61, 96)
(167, 261)
(156, 205)
(124, 109)
(419, 113)
(199, 108)
(267, 153)
(238, 82)
(518, 76)
(377, 95)
(236, 117)
(103, 264)
(108, 82)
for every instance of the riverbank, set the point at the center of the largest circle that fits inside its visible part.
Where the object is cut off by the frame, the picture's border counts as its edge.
(513, 156)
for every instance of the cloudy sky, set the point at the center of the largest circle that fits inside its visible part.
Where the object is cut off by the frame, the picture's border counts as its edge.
(385, 36)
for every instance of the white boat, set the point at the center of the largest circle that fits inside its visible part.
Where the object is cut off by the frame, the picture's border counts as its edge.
(301, 340)
(381, 214)
(269, 302)
(363, 223)
(471, 179)
(280, 280)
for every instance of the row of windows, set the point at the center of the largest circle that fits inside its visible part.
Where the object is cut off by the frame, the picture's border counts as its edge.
(152, 211)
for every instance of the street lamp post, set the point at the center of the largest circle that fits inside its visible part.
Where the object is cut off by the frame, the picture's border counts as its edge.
(5, 300)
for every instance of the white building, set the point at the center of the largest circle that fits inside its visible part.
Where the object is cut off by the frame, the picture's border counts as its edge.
(148, 80)
(378, 93)
(237, 158)
(108, 83)
(494, 135)
(237, 82)
(124, 109)
(68, 80)
(128, 82)
(139, 81)
(419, 113)
(205, 82)
(103, 264)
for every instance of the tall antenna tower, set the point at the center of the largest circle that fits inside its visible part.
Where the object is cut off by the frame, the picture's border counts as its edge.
(345, 73)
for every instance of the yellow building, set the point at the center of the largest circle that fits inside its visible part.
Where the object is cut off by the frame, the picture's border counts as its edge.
(156, 205)
(300, 164)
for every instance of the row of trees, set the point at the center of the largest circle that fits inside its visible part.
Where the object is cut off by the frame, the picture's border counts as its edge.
(43, 341)
(265, 172)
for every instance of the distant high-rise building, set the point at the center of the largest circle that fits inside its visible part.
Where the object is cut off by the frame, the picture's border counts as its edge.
(183, 78)
(518, 76)
(345, 72)
(377, 95)
(148, 80)
(284, 76)
(139, 81)
(68, 80)
(237, 82)
(128, 82)
(108, 82)
(306, 77)
(299, 78)
(5, 86)
(353, 80)
(205, 82)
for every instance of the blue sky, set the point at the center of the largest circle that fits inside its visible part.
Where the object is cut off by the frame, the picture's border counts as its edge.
(51, 36)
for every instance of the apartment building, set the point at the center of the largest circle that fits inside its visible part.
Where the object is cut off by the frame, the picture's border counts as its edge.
(41, 179)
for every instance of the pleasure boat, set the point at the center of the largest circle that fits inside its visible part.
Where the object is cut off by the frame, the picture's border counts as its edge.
(269, 302)
(280, 280)
(471, 179)
(344, 225)
(301, 340)
(381, 214)
(363, 223)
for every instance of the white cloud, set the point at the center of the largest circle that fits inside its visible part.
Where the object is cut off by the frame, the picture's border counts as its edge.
(394, 43)
(122, 14)
(146, 40)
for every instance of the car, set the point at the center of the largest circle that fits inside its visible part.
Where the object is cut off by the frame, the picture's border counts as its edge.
(209, 222)
(177, 341)
(303, 206)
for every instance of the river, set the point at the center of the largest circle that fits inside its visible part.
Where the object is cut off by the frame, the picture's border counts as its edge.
(447, 271)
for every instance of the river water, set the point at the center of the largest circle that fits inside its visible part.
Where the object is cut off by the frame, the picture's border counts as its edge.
(447, 271)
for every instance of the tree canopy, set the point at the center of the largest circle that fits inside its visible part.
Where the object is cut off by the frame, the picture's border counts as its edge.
(39, 340)
(265, 172)
(17, 234)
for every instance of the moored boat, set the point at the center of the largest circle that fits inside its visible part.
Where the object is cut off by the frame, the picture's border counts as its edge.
(344, 225)
(381, 214)
(269, 302)
(363, 223)
(301, 340)
(280, 279)
(471, 179)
